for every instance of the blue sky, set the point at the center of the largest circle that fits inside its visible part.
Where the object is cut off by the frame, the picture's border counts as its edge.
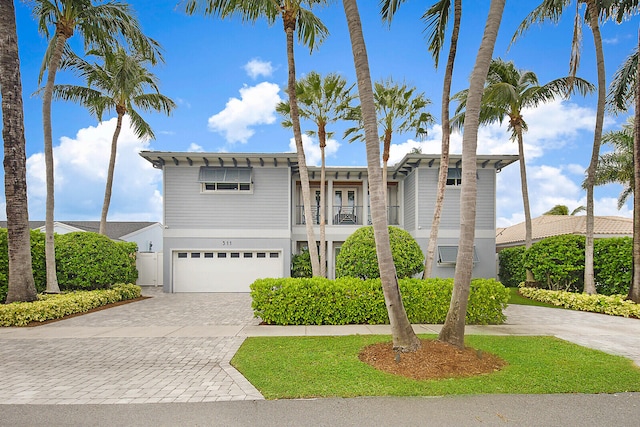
(226, 78)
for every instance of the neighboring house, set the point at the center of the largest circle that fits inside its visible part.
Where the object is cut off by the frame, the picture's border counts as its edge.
(230, 218)
(147, 235)
(556, 225)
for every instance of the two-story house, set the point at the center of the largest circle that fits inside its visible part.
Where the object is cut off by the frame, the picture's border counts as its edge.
(231, 218)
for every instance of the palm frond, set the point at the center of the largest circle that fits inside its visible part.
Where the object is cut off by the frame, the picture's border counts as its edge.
(622, 89)
(436, 19)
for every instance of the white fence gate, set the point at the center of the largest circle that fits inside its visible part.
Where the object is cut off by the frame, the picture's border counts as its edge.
(149, 266)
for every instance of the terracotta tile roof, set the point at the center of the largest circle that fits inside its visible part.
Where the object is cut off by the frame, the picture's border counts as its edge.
(556, 225)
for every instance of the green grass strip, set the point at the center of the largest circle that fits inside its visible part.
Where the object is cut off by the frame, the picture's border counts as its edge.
(516, 298)
(306, 367)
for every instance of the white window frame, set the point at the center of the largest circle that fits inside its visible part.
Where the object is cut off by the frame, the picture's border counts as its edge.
(449, 259)
(227, 180)
(454, 177)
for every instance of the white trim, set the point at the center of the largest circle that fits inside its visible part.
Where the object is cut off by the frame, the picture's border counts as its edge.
(227, 233)
(141, 230)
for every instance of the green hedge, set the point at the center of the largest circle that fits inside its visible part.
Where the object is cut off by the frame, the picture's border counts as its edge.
(558, 264)
(615, 305)
(83, 261)
(358, 258)
(348, 300)
(512, 271)
(57, 306)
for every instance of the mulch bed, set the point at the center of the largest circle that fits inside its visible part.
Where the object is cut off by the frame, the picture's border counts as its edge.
(434, 360)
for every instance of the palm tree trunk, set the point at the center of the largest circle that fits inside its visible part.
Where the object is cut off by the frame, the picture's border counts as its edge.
(453, 329)
(21, 286)
(589, 280)
(404, 338)
(446, 133)
(385, 164)
(289, 19)
(634, 289)
(110, 170)
(50, 249)
(528, 231)
(322, 137)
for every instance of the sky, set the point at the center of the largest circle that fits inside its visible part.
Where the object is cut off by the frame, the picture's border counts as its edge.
(226, 78)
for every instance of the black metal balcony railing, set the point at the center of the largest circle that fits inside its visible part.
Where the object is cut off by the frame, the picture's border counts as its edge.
(345, 215)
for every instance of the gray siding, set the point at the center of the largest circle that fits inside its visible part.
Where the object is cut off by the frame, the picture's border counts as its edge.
(409, 207)
(450, 219)
(266, 207)
(484, 268)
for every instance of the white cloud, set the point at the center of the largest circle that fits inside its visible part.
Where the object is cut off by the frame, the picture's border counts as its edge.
(195, 148)
(80, 177)
(256, 68)
(256, 106)
(312, 149)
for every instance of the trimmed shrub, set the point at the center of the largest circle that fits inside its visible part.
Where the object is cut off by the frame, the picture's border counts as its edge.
(512, 271)
(37, 262)
(301, 264)
(56, 306)
(348, 300)
(358, 258)
(613, 265)
(557, 262)
(615, 305)
(88, 261)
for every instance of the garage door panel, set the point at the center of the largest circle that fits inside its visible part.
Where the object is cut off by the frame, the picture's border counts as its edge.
(223, 271)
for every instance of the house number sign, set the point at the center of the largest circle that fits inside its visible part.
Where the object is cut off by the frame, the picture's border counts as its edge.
(226, 243)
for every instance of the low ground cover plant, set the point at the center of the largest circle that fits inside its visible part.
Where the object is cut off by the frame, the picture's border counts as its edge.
(349, 300)
(55, 306)
(615, 305)
(311, 367)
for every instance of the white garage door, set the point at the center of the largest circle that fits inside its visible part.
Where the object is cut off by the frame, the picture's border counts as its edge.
(223, 271)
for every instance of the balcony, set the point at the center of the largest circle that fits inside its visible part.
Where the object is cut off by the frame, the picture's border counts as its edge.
(345, 215)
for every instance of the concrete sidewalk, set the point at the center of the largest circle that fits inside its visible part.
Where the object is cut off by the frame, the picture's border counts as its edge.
(177, 348)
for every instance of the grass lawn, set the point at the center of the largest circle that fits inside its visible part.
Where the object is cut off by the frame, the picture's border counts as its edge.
(516, 298)
(305, 367)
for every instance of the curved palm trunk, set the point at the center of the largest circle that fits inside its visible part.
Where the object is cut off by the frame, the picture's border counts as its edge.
(634, 289)
(528, 231)
(446, 133)
(289, 20)
(385, 163)
(21, 286)
(50, 249)
(322, 138)
(589, 281)
(404, 338)
(110, 170)
(453, 329)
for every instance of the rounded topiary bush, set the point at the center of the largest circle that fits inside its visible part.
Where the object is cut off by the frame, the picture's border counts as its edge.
(358, 258)
(93, 261)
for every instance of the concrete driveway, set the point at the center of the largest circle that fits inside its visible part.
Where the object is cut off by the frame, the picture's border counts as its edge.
(177, 348)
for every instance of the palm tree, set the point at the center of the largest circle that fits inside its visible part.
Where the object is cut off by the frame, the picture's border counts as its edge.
(99, 25)
(624, 88)
(436, 18)
(552, 10)
(399, 109)
(311, 32)
(21, 286)
(563, 210)
(323, 101)
(404, 338)
(453, 329)
(507, 92)
(119, 84)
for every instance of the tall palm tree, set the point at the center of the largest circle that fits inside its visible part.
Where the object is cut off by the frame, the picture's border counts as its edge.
(297, 17)
(399, 109)
(508, 90)
(436, 19)
(21, 286)
(625, 87)
(119, 85)
(453, 329)
(404, 338)
(323, 100)
(100, 25)
(552, 10)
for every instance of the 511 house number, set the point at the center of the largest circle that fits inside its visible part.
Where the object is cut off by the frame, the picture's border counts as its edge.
(226, 243)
